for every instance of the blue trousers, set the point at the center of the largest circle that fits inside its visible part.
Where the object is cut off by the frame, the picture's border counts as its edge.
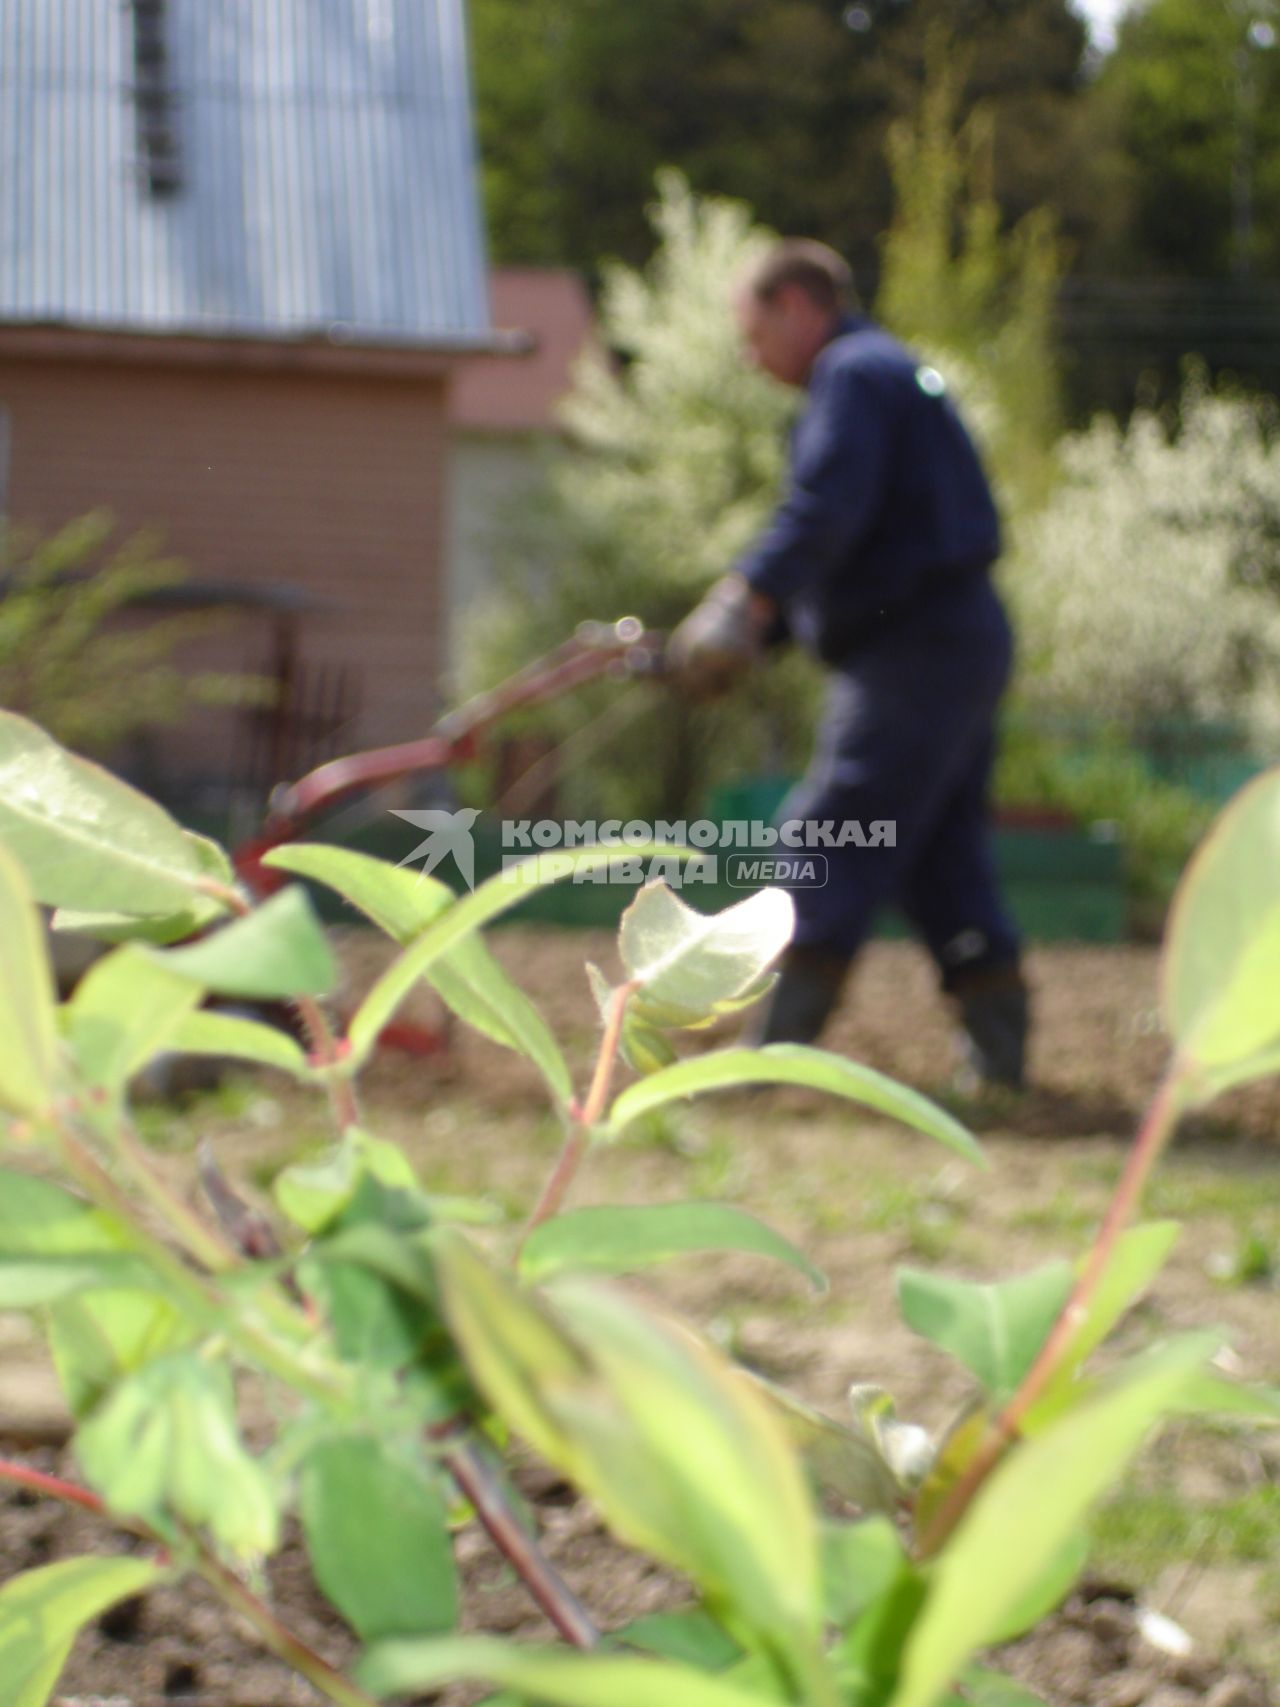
(907, 738)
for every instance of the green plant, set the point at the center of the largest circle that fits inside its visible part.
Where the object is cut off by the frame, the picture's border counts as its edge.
(1165, 531)
(64, 666)
(979, 298)
(401, 1344)
(1094, 774)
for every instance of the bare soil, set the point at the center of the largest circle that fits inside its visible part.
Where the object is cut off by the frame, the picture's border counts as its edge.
(861, 1196)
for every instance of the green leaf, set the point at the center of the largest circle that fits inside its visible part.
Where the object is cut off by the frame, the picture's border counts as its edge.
(1203, 1084)
(278, 950)
(377, 1536)
(615, 1240)
(847, 1462)
(1221, 997)
(372, 1274)
(93, 1338)
(87, 840)
(1211, 1394)
(859, 1563)
(159, 929)
(791, 1064)
(548, 1675)
(43, 1611)
(26, 1282)
(515, 1350)
(688, 964)
(314, 1193)
(201, 910)
(692, 1637)
(96, 1338)
(1138, 1256)
(681, 1452)
(869, 1659)
(28, 1028)
(400, 902)
(38, 1216)
(502, 892)
(687, 1460)
(469, 980)
(239, 1039)
(123, 1012)
(1027, 1512)
(165, 1442)
(994, 1330)
(983, 1688)
(1041, 1596)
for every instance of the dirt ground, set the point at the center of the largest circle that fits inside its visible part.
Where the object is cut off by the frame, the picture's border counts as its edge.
(1194, 1534)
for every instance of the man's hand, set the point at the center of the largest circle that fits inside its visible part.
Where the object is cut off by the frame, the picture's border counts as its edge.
(720, 639)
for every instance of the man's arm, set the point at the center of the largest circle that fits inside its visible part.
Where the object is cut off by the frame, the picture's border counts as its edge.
(839, 469)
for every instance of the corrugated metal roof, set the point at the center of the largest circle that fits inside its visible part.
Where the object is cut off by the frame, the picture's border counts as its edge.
(325, 150)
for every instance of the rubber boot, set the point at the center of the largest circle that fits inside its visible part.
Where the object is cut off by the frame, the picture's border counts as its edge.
(995, 1014)
(802, 1000)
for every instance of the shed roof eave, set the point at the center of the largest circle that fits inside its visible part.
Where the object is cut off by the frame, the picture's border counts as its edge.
(319, 349)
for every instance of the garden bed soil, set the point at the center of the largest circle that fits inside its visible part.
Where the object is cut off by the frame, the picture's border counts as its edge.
(861, 1196)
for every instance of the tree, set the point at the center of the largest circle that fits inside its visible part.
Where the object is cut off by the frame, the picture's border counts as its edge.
(1193, 89)
(978, 296)
(785, 104)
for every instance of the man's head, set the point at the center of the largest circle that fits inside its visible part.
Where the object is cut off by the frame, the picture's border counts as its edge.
(788, 304)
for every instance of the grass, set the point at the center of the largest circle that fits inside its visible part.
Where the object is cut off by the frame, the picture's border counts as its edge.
(1138, 1534)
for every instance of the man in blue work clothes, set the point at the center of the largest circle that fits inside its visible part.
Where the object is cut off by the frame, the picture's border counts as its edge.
(878, 560)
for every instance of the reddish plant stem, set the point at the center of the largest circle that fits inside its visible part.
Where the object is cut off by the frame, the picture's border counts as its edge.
(277, 1638)
(324, 1046)
(561, 1178)
(465, 1462)
(327, 1050)
(225, 895)
(1154, 1133)
(583, 1116)
(52, 1486)
(201, 1241)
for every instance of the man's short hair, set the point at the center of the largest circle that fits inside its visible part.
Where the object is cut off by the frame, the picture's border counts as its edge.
(824, 276)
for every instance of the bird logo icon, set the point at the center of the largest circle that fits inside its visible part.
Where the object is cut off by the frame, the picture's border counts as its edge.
(447, 833)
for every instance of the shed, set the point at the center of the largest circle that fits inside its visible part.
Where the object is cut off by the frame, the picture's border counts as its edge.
(240, 257)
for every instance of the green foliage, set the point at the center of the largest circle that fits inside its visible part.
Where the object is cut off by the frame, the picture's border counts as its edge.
(63, 664)
(1092, 772)
(374, 1522)
(86, 840)
(1193, 94)
(1219, 995)
(996, 1330)
(578, 107)
(27, 1023)
(398, 1349)
(279, 950)
(790, 1064)
(43, 1611)
(956, 284)
(165, 1445)
(617, 1241)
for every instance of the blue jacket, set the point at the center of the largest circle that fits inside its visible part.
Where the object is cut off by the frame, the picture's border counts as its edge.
(887, 504)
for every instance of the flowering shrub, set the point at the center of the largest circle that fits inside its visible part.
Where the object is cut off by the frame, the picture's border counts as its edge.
(1149, 585)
